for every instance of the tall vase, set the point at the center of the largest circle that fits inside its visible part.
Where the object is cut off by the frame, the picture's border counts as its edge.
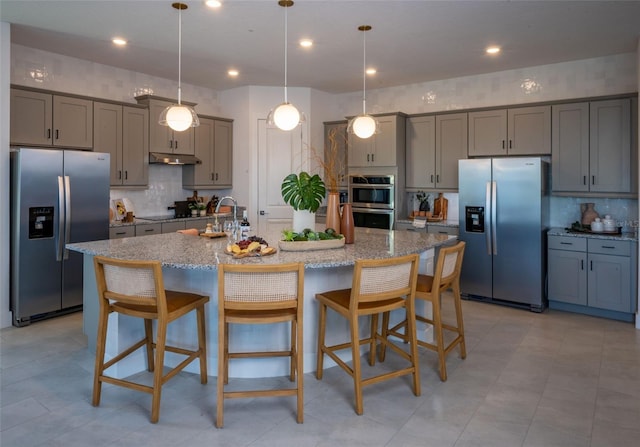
(347, 224)
(588, 213)
(333, 211)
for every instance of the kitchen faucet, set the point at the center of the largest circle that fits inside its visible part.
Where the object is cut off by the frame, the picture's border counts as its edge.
(235, 207)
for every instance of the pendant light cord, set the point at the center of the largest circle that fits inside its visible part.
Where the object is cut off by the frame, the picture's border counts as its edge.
(179, 55)
(364, 72)
(285, 53)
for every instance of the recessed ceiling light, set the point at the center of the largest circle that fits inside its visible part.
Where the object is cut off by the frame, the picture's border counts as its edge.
(306, 43)
(371, 71)
(119, 41)
(492, 50)
(213, 3)
(233, 73)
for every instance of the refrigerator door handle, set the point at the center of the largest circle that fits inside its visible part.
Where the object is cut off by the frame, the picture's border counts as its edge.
(494, 216)
(67, 215)
(60, 241)
(487, 205)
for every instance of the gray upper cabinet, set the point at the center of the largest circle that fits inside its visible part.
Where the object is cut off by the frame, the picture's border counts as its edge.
(591, 147)
(162, 138)
(44, 119)
(214, 147)
(335, 149)
(381, 149)
(435, 143)
(514, 131)
(123, 132)
(610, 146)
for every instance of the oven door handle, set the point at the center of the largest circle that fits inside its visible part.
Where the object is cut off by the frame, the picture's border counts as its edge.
(372, 210)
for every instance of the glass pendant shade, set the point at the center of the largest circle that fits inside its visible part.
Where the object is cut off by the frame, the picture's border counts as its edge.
(285, 116)
(179, 117)
(363, 126)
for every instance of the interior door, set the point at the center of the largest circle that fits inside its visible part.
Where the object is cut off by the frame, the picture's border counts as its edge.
(279, 154)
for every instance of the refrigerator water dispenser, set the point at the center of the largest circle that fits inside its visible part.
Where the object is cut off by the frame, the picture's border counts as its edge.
(474, 219)
(41, 222)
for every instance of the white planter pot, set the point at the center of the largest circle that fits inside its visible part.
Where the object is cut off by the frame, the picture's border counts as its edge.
(303, 219)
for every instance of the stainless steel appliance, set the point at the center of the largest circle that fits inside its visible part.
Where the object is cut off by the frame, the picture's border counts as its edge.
(504, 215)
(373, 200)
(57, 197)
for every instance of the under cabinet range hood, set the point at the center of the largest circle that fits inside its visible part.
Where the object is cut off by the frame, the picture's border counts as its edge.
(173, 159)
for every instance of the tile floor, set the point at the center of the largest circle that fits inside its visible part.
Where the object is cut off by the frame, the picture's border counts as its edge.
(552, 379)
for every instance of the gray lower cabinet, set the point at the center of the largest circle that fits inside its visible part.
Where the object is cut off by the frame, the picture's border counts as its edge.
(441, 229)
(406, 226)
(123, 231)
(594, 276)
(172, 227)
(147, 229)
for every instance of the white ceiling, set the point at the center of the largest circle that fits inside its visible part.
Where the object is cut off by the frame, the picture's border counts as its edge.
(411, 40)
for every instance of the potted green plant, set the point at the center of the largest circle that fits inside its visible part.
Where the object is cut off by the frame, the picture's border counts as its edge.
(304, 192)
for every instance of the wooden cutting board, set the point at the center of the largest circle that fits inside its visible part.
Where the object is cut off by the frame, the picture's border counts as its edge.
(440, 207)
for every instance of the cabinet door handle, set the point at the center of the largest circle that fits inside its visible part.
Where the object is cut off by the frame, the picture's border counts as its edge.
(212, 176)
(216, 176)
(176, 144)
(48, 134)
(503, 144)
(170, 144)
(367, 158)
(581, 264)
(151, 230)
(593, 179)
(566, 243)
(510, 144)
(120, 233)
(372, 157)
(591, 265)
(608, 246)
(126, 175)
(437, 178)
(119, 175)
(57, 134)
(584, 179)
(431, 178)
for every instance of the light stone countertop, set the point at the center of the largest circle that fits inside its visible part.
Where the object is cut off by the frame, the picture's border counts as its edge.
(201, 253)
(442, 223)
(614, 237)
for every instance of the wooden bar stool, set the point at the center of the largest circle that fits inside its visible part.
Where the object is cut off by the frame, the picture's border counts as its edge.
(378, 286)
(430, 288)
(136, 289)
(260, 294)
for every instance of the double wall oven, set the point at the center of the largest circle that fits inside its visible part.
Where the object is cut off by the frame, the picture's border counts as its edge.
(373, 200)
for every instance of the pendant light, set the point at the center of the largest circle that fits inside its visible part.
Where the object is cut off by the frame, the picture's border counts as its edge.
(364, 125)
(285, 116)
(179, 117)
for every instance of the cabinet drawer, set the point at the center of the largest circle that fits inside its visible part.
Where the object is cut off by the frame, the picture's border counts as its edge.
(439, 229)
(120, 232)
(567, 243)
(146, 229)
(172, 227)
(609, 247)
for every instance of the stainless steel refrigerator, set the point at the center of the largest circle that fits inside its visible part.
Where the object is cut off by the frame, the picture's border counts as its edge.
(57, 197)
(504, 217)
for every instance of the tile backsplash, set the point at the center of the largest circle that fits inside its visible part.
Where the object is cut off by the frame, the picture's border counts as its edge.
(165, 187)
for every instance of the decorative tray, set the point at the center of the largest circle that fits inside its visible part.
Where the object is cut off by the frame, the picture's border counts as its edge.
(310, 245)
(213, 235)
(588, 230)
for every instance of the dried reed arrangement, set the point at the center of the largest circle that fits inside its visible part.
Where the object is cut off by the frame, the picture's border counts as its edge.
(331, 161)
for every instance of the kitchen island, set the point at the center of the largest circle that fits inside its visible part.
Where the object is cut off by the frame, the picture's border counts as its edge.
(190, 264)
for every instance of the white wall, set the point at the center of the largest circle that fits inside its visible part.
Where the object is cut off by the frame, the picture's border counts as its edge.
(5, 59)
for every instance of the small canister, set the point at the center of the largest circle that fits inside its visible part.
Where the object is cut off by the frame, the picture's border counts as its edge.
(609, 223)
(597, 225)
